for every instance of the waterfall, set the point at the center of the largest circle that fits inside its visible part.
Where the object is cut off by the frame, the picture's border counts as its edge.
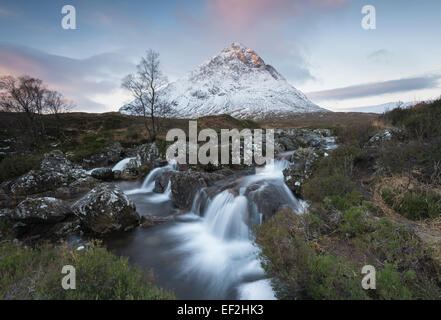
(217, 243)
(226, 215)
(120, 166)
(213, 242)
(149, 182)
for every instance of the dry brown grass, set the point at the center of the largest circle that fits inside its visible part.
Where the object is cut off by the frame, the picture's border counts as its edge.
(319, 120)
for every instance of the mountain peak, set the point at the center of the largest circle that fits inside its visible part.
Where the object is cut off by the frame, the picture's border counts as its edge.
(246, 55)
(236, 82)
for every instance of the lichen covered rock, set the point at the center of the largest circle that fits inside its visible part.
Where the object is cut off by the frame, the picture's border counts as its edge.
(106, 209)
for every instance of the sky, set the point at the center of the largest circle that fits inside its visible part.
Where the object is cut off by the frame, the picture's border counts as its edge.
(318, 45)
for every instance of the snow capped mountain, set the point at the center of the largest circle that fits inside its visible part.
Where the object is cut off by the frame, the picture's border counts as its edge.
(235, 82)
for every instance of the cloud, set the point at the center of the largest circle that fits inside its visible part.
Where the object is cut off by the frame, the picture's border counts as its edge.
(243, 13)
(262, 25)
(377, 88)
(4, 12)
(78, 79)
(380, 56)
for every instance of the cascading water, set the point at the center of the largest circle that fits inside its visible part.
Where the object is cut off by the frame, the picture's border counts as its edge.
(210, 251)
(217, 244)
(149, 182)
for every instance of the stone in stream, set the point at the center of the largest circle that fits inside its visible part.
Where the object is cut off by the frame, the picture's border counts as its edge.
(43, 218)
(148, 221)
(106, 209)
(105, 174)
(185, 186)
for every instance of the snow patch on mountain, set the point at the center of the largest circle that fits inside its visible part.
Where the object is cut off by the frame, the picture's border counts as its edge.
(236, 82)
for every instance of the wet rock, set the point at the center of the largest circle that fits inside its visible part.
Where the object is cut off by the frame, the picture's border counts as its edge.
(132, 166)
(267, 199)
(291, 139)
(148, 221)
(159, 163)
(148, 153)
(288, 144)
(162, 181)
(104, 174)
(185, 185)
(106, 209)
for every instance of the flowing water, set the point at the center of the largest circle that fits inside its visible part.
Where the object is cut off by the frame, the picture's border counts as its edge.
(209, 252)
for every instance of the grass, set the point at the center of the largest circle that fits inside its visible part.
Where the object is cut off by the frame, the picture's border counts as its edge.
(27, 273)
(415, 204)
(301, 272)
(320, 254)
(17, 165)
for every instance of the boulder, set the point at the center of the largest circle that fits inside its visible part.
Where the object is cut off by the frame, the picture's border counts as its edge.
(267, 199)
(43, 218)
(77, 188)
(42, 210)
(55, 171)
(148, 153)
(38, 181)
(162, 181)
(55, 161)
(386, 135)
(287, 143)
(104, 174)
(106, 209)
(185, 185)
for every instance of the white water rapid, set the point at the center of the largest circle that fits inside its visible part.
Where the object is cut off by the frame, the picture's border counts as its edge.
(217, 244)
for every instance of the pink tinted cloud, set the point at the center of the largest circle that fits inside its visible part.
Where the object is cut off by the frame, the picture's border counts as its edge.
(240, 13)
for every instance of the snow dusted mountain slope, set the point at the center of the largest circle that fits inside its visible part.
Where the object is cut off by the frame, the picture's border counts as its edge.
(239, 83)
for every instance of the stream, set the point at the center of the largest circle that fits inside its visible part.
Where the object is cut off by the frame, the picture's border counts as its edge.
(208, 252)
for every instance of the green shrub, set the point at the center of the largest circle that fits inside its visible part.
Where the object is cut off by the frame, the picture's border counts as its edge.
(299, 271)
(394, 243)
(415, 204)
(388, 196)
(17, 165)
(418, 205)
(355, 222)
(91, 144)
(421, 121)
(36, 274)
(391, 284)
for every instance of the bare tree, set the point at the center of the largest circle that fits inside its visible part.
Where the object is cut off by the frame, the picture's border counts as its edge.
(56, 104)
(23, 94)
(31, 97)
(145, 87)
